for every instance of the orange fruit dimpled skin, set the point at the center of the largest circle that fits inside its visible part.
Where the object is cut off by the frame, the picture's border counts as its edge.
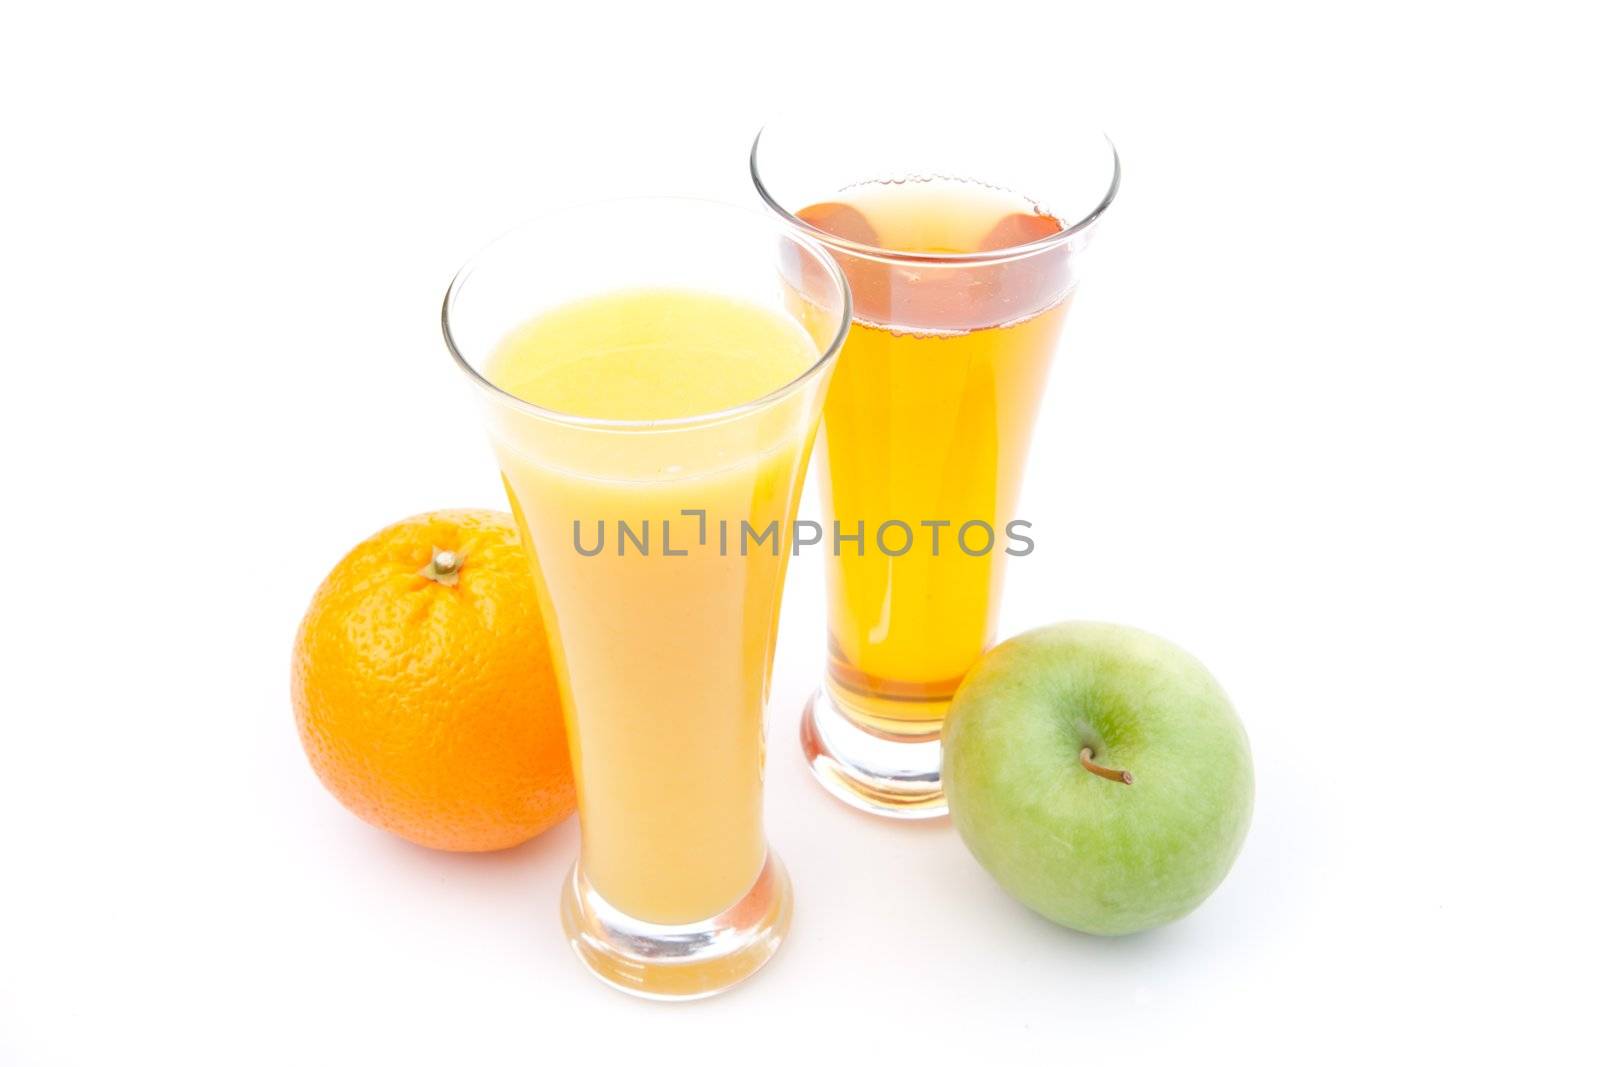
(426, 701)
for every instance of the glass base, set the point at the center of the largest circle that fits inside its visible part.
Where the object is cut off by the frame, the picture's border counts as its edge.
(678, 962)
(894, 775)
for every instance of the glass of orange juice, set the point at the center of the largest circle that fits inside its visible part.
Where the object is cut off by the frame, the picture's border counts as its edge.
(960, 234)
(652, 373)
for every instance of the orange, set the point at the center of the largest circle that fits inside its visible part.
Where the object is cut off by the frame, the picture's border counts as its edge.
(423, 688)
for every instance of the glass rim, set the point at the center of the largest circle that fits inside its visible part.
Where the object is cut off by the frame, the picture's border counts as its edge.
(891, 255)
(811, 245)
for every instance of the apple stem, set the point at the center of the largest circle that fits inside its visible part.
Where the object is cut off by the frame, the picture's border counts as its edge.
(1086, 757)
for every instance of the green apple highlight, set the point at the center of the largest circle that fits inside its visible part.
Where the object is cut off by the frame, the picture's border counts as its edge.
(1100, 774)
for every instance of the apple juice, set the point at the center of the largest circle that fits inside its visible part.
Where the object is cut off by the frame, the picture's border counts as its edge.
(927, 422)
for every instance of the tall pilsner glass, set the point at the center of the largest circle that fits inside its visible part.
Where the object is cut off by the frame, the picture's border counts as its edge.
(961, 239)
(661, 612)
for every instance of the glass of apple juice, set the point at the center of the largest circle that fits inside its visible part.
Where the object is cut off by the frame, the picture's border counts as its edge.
(961, 233)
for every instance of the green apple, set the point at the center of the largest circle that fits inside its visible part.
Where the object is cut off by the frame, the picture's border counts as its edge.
(1100, 774)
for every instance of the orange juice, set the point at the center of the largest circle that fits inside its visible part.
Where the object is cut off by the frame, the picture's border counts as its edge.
(927, 423)
(663, 638)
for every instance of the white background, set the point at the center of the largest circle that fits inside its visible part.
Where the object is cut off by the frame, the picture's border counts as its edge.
(1325, 415)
